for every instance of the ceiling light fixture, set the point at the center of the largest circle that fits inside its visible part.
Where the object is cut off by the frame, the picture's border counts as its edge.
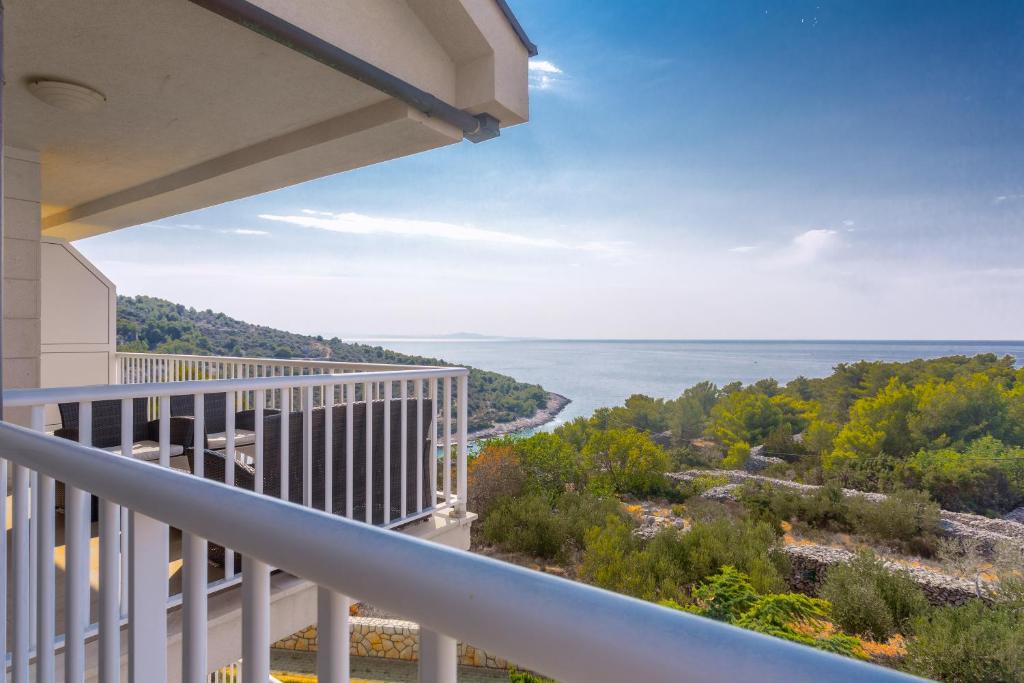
(67, 96)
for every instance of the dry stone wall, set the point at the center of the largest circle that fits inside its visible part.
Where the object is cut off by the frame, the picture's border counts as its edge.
(810, 565)
(387, 639)
(985, 530)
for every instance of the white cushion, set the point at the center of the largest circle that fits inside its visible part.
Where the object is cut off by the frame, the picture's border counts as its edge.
(147, 450)
(219, 440)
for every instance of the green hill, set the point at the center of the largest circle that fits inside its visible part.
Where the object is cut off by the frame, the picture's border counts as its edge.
(150, 325)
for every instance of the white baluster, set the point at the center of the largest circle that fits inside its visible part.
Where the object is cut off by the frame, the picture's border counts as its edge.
(367, 398)
(404, 397)
(45, 587)
(387, 453)
(463, 445)
(447, 477)
(332, 657)
(417, 388)
(193, 651)
(349, 397)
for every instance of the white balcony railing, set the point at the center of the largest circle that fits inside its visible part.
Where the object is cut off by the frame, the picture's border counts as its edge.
(428, 404)
(567, 630)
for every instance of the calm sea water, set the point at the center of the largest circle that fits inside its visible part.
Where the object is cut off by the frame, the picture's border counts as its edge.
(605, 373)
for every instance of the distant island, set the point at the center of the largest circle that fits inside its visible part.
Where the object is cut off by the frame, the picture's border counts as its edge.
(498, 404)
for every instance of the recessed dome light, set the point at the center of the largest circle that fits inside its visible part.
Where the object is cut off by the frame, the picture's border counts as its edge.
(67, 96)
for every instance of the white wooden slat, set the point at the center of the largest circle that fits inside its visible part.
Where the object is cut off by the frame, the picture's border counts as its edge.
(194, 574)
(76, 574)
(307, 446)
(367, 394)
(255, 621)
(463, 444)
(229, 469)
(433, 443)
(418, 390)
(404, 397)
(332, 657)
(447, 436)
(350, 398)
(329, 450)
(286, 406)
(387, 453)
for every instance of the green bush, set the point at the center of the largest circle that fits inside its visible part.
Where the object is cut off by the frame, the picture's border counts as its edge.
(534, 525)
(825, 508)
(906, 518)
(625, 461)
(730, 597)
(909, 518)
(869, 600)
(670, 564)
(699, 484)
(975, 643)
(515, 676)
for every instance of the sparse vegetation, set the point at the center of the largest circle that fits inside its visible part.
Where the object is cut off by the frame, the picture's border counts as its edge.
(870, 600)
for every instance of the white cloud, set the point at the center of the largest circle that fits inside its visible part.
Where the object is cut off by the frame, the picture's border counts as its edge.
(360, 224)
(811, 245)
(544, 75)
(544, 66)
(245, 231)
(1003, 198)
(744, 249)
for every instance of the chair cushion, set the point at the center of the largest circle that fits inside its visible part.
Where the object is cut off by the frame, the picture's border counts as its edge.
(147, 450)
(219, 440)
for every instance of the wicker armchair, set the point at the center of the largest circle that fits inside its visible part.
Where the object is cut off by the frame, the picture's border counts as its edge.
(106, 432)
(214, 419)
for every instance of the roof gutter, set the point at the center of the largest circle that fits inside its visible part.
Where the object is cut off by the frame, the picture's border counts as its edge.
(475, 127)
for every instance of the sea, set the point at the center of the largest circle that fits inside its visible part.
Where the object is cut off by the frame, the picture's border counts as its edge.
(596, 373)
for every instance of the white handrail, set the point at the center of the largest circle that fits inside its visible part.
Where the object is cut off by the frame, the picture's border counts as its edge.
(14, 398)
(568, 630)
(256, 360)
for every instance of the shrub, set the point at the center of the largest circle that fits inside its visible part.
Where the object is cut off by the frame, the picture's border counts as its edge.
(550, 463)
(974, 643)
(496, 472)
(699, 484)
(737, 455)
(907, 517)
(625, 461)
(730, 597)
(526, 524)
(869, 600)
(515, 676)
(825, 508)
(532, 524)
(667, 566)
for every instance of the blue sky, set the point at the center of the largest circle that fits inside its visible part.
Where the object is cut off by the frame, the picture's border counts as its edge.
(698, 169)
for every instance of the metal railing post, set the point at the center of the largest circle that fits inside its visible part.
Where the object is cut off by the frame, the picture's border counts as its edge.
(332, 656)
(438, 657)
(147, 599)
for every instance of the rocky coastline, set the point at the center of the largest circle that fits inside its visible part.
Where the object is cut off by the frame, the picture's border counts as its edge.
(556, 403)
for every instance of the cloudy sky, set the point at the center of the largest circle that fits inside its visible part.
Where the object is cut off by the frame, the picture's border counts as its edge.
(699, 169)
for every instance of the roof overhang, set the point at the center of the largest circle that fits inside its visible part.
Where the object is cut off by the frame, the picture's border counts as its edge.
(200, 110)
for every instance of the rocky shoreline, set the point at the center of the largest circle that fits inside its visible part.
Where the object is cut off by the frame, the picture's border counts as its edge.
(556, 403)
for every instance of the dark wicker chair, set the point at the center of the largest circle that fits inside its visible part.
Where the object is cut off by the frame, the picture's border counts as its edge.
(106, 430)
(214, 463)
(214, 417)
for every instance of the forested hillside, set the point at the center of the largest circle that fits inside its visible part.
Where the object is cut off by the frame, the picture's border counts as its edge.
(953, 427)
(148, 324)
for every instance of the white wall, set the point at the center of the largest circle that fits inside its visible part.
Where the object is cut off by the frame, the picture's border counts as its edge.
(78, 316)
(21, 274)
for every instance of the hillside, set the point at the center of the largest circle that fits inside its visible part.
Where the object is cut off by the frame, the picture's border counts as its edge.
(148, 324)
